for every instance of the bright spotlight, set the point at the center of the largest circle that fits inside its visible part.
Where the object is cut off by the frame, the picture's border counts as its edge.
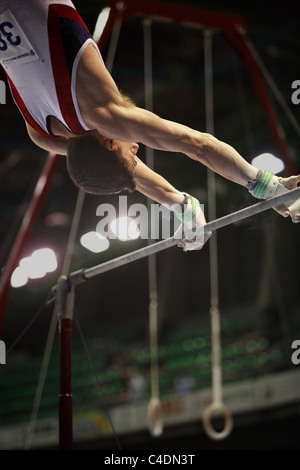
(36, 266)
(32, 267)
(101, 22)
(267, 161)
(46, 257)
(125, 229)
(19, 278)
(94, 242)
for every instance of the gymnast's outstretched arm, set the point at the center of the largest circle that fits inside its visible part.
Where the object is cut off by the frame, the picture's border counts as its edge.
(121, 120)
(184, 206)
(143, 126)
(114, 116)
(139, 125)
(148, 182)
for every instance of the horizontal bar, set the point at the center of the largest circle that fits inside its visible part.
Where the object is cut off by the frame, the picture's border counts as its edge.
(82, 275)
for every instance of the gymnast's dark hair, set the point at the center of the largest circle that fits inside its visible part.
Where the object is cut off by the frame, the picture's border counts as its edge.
(95, 169)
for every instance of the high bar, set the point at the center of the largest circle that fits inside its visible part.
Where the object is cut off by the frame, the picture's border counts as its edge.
(85, 274)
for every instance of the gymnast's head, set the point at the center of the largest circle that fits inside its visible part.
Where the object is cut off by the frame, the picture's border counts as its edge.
(101, 166)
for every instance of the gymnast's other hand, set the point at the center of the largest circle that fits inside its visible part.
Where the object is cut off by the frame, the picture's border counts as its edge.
(267, 186)
(293, 208)
(191, 230)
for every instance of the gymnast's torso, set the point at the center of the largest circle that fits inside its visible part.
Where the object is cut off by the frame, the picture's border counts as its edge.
(41, 43)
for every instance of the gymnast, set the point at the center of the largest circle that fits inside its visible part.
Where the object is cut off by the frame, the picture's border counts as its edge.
(72, 106)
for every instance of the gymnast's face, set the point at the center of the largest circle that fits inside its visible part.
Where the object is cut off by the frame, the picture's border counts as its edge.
(126, 150)
(126, 160)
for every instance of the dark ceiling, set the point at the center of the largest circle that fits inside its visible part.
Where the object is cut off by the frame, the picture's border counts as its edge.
(120, 298)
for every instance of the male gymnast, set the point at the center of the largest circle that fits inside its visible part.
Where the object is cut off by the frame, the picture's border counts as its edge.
(72, 107)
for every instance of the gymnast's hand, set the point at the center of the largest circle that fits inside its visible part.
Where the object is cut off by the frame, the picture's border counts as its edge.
(267, 186)
(191, 232)
(293, 208)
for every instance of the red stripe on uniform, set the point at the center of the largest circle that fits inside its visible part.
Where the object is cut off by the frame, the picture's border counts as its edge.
(59, 64)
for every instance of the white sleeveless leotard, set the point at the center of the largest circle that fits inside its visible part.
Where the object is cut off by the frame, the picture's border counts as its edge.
(41, 42)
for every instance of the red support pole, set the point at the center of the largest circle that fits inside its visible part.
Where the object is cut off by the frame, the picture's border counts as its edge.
(64, 307)
(240, 41)
(28, 222)
(181, 14)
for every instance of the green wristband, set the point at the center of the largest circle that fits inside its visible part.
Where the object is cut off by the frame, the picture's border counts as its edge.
(190, 212)
(262, 184)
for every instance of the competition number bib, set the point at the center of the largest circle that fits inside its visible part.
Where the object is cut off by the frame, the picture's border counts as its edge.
(15, 47)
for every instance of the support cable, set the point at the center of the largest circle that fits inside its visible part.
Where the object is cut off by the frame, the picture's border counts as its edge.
(217, 404)
(41, 382)
(53, 326)
(48, 301)
(97, 381)
(154, 409)
(274, 88)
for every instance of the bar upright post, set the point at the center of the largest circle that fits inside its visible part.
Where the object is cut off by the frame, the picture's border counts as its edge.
(65, 303)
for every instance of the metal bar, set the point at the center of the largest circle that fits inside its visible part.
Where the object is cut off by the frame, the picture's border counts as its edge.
(85, 274)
